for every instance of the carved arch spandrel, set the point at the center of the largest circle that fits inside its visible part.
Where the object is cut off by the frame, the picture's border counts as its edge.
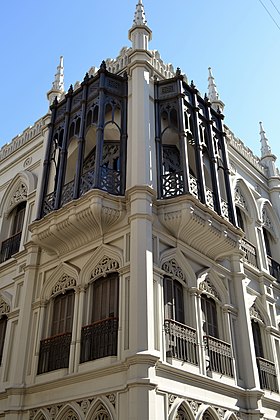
(23, 184)
(104, 260)
(101, 409)
(4, 307)
(64, 277)
(173, 262)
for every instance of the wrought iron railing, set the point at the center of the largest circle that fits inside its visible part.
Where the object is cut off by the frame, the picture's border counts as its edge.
(274, 268)
(209, 198)
(267, 375)
(110, 180)
(54, 352)
(250, 252)
(9, 247)
(172, 184)
(220, 355)
(193, 186)
(99, 339)
(181, 341)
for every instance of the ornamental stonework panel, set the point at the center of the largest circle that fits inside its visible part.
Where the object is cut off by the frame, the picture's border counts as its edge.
(64, 283)
(106, 265)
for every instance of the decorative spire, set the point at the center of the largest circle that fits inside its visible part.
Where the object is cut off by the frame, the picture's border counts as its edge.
(213, 93)
(139, 15)
(265, 148)
(267, 158)
(58, 84)
(140, 34)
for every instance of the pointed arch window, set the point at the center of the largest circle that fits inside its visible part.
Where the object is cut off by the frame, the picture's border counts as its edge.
(11, 246)
(55, 350)
(209, 310)
(266, 368)
(173, 300)
(100, 337)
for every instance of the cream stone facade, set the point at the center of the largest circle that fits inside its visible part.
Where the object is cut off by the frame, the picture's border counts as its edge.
(140, 256)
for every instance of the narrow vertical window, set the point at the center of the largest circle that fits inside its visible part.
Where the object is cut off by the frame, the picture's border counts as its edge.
(173, 300)
(3, 327)
(209, 310)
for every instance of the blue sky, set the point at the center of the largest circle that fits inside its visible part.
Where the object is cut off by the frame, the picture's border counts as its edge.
(236, 38)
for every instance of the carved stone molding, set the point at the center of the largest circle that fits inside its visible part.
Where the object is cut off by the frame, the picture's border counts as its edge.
(112, 398)
(106, 265)
(207, 287)
(4, 307)
(171, 267)
(266, 220)
(19, 195)
(64, 283)
(239, 198)
(255, 313)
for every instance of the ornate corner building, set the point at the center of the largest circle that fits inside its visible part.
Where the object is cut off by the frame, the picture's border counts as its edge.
(139, 253)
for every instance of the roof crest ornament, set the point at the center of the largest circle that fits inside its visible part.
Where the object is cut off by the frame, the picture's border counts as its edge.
(57, 89)
(213, 94)
(265, 148)
(140, 34)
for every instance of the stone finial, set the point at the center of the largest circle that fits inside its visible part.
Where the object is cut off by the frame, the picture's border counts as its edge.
(213, 94)
(139, 34)
(265, 148)
(58, 84)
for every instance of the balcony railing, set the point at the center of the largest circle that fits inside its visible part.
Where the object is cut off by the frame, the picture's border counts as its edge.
(99, 339)
(9, 247)
(54, 353)
(267, 374)
(274, 268)
(181, 341)
(110, 181)
(250, 252)
(220, 356)
(172, 184)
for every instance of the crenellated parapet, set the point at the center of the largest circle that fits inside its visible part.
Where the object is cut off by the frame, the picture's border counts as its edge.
(244, 151)
(27, 135)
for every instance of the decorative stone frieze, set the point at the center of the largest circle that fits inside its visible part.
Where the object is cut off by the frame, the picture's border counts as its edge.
(4, 307)
(19, 195)
(171, 267)
(266, 220)
(239, 198)
(207, 287)
(255, 313)
(66, 282)
(106, 265)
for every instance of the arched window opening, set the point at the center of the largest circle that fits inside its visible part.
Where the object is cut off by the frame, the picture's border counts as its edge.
(55, 350)
(181, 340)
(182, 413)
(14, 227)
(266, 368)
(3, 327)
(173, 300)
(219, 352)
(209, 311)
(207, 415)
(70, 172)
(272, 254)
(240, 220)
(100, 337)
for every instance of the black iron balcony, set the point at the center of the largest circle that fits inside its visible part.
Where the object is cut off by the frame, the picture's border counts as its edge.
(267, 374)
(99, 339)
(110, 181)
(220, 356)
(181, 341)
(9, 247)
(250, 252)
(274, 268)
(54, 352)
